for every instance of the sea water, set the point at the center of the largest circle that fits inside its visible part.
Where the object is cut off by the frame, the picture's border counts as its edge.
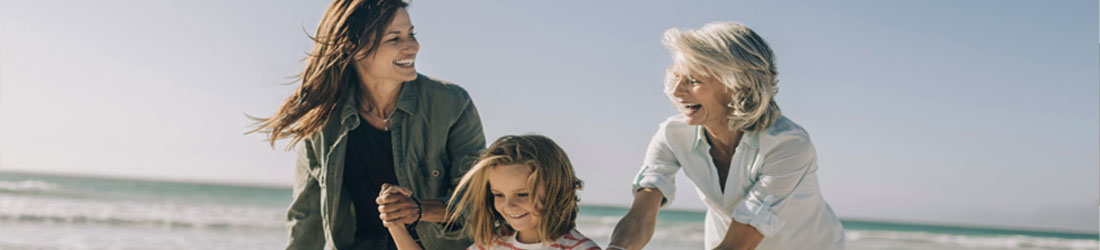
(60, 212)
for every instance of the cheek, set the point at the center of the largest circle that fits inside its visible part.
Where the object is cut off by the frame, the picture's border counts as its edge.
(497, 205)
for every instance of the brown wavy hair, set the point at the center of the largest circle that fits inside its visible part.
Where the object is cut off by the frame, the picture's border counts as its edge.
(348, 28)
(553, 186)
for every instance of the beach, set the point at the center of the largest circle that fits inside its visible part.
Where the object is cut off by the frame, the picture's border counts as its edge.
(46, 212)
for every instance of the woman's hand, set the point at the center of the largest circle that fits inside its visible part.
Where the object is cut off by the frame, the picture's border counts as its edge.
(396, 207)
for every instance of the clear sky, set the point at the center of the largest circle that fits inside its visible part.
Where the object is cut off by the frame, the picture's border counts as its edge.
(961, 112)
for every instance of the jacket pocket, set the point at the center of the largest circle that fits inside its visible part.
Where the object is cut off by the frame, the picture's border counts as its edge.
(433, 173)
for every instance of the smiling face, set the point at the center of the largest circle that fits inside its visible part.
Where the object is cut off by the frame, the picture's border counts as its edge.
(395, 58)
(701, 98)
(512, 199)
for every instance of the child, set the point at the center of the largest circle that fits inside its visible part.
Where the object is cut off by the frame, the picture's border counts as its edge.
(521, 194)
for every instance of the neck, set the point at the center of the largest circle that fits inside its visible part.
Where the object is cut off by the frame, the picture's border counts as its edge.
(527, 238)
(721, 137)
(381, 95)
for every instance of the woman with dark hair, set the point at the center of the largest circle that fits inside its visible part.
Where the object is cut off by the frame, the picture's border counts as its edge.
(363, 117)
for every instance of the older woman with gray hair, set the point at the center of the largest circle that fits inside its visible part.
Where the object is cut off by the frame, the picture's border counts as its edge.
(755, 169)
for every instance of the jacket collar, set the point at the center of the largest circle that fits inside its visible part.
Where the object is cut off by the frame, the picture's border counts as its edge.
(406, 102)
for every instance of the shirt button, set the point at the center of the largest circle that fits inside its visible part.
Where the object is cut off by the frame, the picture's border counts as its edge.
(435, 173)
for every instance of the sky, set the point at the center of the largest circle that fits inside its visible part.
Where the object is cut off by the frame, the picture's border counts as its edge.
(948, 112)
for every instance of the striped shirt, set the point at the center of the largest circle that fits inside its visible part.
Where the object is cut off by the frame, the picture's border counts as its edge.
(572, 241)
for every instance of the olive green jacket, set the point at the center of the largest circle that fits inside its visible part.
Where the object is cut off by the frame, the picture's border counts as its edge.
(436, 135)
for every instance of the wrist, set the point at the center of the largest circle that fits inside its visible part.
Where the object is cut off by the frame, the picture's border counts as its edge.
(433, 211)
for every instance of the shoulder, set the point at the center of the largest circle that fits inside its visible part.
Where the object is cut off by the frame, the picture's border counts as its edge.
(442, 89)
(786, 136)
(676, 128)
(577, 241)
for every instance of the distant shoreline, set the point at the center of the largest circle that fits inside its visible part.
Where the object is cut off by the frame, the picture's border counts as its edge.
(847, 221)
(149, 179)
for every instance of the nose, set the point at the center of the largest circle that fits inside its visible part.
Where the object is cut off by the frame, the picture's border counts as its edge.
(411, 46)
(508, 202)
(679, 88)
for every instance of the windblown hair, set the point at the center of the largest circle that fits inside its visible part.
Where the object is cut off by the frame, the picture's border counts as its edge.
(552, 182)
(740, 59)
(348, 28)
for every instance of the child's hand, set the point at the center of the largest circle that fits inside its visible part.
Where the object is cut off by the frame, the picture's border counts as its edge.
(395, 207)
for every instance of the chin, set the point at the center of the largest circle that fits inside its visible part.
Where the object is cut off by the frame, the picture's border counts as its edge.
(691, 121)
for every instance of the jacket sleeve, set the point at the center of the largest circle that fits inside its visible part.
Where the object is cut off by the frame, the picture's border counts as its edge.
(303, 218)
(465, 142)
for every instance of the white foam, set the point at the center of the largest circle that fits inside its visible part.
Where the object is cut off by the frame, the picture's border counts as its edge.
(172, 214)
(971, 241)
(27, 186)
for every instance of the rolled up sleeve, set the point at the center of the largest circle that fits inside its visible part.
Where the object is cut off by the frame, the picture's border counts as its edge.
(659, 168)
(783, 170)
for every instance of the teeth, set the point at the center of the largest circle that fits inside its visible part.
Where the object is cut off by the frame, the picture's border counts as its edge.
(405, 62)
(517, 215)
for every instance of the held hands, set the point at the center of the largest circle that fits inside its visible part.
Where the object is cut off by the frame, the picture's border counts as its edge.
(396, 207)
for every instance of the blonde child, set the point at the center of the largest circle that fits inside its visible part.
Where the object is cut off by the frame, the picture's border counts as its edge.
(521, 194)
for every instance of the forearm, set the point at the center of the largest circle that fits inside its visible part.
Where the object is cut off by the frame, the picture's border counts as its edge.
(636, 228)
(434, 211)
(741, 237)
(403, 239)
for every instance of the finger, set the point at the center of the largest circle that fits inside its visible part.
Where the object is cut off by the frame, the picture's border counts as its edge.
(402, 190)
(389, 198)
(398, 217)
(391, 208)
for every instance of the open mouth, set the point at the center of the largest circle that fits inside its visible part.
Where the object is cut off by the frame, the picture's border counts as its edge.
(691, 108)
(517, 216)
(405, 62)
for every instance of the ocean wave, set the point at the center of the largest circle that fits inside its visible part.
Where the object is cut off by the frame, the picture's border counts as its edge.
(28, 186)
(170, 214)
(971, 241)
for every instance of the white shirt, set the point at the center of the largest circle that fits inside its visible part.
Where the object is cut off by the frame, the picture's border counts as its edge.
(572, 241)
(771, 186)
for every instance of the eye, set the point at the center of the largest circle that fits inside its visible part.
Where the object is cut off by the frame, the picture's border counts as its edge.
(394, 39)
(522, 194)
(498, 195)
(692, 80)
(412, 36)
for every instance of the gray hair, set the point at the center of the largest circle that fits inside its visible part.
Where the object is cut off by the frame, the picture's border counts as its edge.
(740, 59)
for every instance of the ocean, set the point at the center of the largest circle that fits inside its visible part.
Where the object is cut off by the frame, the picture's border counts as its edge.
(46, 212)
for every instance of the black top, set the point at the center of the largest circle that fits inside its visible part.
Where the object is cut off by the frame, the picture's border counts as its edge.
(369, 163)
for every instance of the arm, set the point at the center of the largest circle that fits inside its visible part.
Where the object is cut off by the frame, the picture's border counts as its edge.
(403, 239)
(740, 237)
(401, 236)
(636, 228)
(303, 217)
(654, 187)
(465, 141)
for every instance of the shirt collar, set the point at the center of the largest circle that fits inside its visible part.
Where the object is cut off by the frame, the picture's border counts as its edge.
(751, 139)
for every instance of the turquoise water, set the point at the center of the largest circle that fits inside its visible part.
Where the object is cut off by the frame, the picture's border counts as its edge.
(60, 212)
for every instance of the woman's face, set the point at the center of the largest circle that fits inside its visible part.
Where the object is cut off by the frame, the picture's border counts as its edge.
(701, 98)
(395, 58)
(512, 198)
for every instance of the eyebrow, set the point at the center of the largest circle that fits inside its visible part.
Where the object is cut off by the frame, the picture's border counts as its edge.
(517, 190)
(398, 31)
